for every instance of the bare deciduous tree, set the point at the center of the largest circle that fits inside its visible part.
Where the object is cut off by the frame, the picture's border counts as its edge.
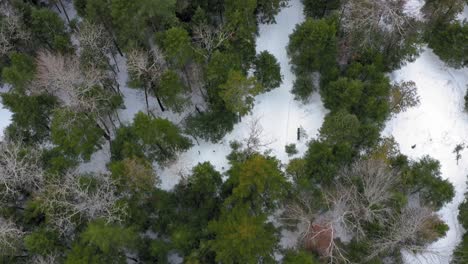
(10, 236)
(62, 77)
(49, 259)
(355, 203)
(71, 199)
(316, 230)
(147, 67)
(11, 28)
(410, 231)
(95, 37)
(255, 139)
(20, 168)
(378, 24)
(403, 95)
(210, 38)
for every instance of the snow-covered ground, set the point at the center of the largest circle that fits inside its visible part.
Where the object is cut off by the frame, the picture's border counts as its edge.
(5, 119)
(436, 126)
(5, 114)
(278, 113)
(464, 14)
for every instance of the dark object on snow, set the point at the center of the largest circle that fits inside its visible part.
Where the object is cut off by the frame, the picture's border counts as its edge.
(414, 146)
(298, 133)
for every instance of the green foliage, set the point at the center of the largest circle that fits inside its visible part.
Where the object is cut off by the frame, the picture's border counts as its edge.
(463, 213)
(212, 125)
(373, 105)
(42, 242)
(303, 87)
(323, 160)
(258, 182)
(448, 40)
(49, 29)
(299, 257)
(135, 174)
(200, 192)
(320, 8)
(80, 7)
(172, 91)
(218, 68)
(240, 18)
(442, 10)
(268, 9)
(20, 72)
(75, 134)
(108, 238)
(155, 138)
(102, 242)
(342, 94)
(267, 71)
(312, 48)
(340, 128)
(238, 92)
(291, 149)
(424, 176)
(460, 255)
(177, 46)
(133, 21)
(242, 238)
(466, 100)
(30, 119)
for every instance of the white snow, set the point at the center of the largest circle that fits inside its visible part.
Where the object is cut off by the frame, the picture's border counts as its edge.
(463, 16)
(5, 119)
(279, 114)
(5, 114)
(436, 126)
(413, 8)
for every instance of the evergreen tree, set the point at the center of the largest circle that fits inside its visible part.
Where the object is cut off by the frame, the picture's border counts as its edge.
(312, 48)
(238, 92)
(242, 238)
(75, 134)
(172, 91)
(155, 138)
(267, 71)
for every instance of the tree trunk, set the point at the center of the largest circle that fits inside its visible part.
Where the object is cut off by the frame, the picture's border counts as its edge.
(64, 11)
(115, 61)
(105, 130)
(146, 98)
(325, 9)
(160, 103)
(58, 8)
(113, 38)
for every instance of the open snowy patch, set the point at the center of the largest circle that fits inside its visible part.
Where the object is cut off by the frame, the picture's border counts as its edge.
(435, 128)
(413, 8)
(463, 15)
(5, 114)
